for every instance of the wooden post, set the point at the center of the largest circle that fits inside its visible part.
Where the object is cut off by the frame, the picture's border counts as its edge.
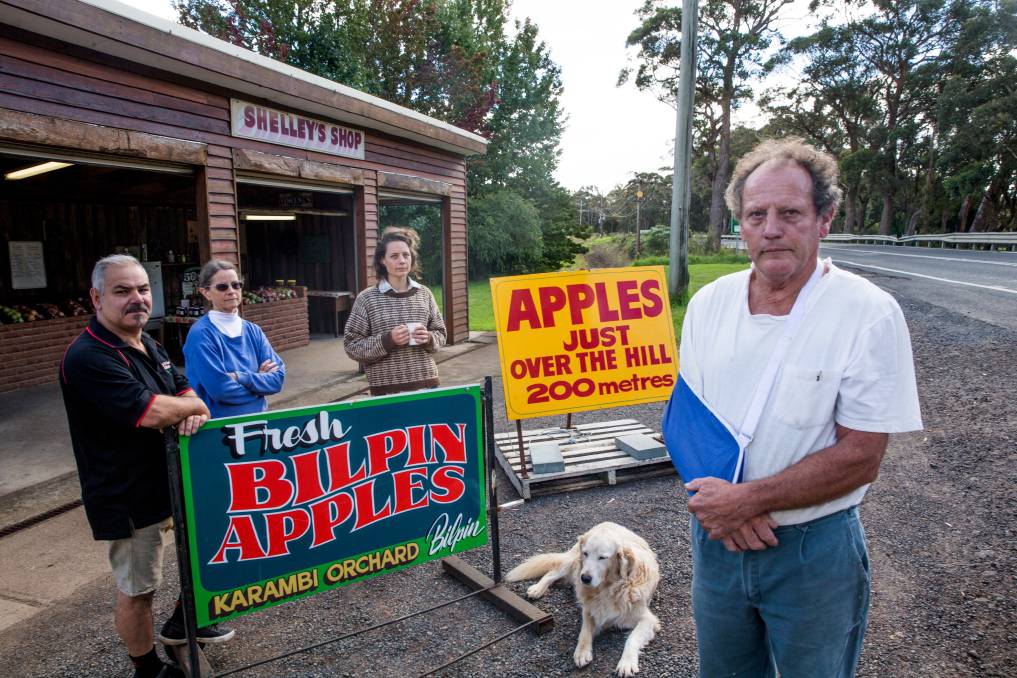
(523, 473)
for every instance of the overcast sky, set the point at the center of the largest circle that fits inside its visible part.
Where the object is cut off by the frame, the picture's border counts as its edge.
(610, 131)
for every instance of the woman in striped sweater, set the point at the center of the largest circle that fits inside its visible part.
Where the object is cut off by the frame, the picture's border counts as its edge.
(395, 326)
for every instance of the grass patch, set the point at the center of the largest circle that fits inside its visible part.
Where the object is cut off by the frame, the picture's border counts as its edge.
(481, 310)
(700, 275)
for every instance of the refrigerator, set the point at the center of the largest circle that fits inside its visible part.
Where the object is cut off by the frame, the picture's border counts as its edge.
(154, 270)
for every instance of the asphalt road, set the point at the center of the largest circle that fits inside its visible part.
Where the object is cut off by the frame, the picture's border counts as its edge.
(980, 285)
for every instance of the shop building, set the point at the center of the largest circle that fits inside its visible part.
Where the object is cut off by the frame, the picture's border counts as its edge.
(177, 147)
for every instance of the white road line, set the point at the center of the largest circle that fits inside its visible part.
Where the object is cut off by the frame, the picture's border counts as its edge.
(995, 288)
(923, 256)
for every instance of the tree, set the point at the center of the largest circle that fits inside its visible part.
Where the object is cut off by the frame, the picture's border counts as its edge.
(916, 99)
(902, 43)
(500, 245)
(978, 112)
(833, 106)
(734, 36)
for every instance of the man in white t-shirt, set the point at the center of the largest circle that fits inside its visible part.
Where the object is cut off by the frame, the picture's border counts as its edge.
(781, 579)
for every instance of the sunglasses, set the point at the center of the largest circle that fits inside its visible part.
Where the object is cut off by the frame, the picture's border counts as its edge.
(236, 284)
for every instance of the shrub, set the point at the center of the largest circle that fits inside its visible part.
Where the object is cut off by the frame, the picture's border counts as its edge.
(656, 241)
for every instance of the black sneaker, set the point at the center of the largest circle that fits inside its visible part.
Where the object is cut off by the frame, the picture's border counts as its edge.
(173, 633)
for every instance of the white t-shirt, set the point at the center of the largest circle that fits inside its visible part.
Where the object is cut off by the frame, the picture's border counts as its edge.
(850, 363)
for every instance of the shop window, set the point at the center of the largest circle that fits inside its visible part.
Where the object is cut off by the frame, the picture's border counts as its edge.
(424, 215)
(296, 236)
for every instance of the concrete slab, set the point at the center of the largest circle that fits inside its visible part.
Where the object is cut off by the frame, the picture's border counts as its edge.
(546, 458)
(640, 446)
(40, 498)
(34, 443)
(41, 566)
(13, 612)
(315, 372)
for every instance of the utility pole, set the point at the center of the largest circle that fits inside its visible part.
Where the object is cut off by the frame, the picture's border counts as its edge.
(678, 274)
(639, 203)
(580, 213)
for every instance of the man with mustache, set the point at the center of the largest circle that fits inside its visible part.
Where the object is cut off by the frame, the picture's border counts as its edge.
(780, 569)
(120, 390)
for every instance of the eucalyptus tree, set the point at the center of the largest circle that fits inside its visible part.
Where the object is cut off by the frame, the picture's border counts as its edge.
(734, 38)
(978, 111)
(902, 43)
(833, 105)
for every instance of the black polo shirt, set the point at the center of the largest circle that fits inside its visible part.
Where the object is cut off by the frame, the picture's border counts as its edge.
(108, 388)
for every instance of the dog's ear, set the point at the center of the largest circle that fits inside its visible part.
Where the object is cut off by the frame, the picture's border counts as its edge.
(632, 566)
(626, 561)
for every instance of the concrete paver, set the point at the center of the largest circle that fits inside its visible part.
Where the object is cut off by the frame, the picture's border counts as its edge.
(42, 566)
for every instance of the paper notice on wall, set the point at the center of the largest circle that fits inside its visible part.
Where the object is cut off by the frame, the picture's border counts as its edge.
(28, 267)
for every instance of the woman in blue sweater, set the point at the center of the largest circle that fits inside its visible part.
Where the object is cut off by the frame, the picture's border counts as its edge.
(230, 363)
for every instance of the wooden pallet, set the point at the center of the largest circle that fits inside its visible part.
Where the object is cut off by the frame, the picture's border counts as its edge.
(590, 454)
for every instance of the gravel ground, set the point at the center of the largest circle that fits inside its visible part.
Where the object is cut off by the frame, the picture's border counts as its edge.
(940, 523)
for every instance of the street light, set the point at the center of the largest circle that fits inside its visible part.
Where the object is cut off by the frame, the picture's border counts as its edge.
(639, 202)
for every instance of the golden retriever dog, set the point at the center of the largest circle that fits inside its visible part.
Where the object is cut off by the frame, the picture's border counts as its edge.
(614, 573)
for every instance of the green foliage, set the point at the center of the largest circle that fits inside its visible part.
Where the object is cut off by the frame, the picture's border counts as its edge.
(916, 99)
(562, 236)
(505, 235)
(656, 241)
(426, 221)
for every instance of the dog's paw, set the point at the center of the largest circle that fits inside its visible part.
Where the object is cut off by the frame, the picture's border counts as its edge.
(627, 667)
(583, 655)
(536, 591)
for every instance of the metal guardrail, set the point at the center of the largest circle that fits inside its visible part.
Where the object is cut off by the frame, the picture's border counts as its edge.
(993, 241)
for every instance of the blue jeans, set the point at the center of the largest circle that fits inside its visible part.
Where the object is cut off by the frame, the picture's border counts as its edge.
(799, 608)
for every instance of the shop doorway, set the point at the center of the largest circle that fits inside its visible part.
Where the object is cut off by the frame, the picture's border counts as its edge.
(425, 215)
(60, 213)
(295, 236)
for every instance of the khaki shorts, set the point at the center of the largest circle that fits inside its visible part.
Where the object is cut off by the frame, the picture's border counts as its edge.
(136, 561)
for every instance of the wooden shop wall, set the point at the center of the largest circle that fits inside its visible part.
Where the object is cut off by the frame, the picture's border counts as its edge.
(54, 80)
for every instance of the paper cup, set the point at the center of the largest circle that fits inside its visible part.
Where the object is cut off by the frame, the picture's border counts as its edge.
(412, 327)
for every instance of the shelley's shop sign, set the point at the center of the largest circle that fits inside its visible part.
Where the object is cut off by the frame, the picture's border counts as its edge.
(285, 504)
(253, 121)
